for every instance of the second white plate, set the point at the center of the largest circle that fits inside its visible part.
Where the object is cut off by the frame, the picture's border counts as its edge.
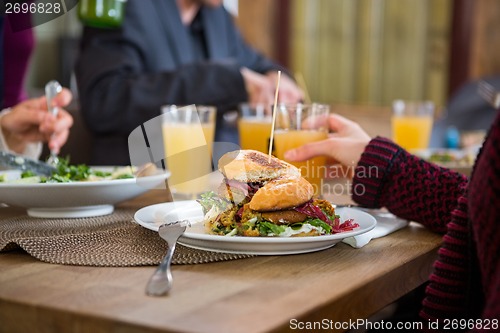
(75, 199)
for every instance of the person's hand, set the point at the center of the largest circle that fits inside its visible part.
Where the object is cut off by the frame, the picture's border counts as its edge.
(289, 91)
(345, 145)
(30, 121)
(261, 88)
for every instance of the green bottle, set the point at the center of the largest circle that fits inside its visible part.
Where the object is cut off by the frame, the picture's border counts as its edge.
(102, 13)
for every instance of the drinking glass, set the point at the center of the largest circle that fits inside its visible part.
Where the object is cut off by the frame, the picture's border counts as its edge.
(188, 135)
(102, 13)
(254, 126)
(412, 123)
(296, 125)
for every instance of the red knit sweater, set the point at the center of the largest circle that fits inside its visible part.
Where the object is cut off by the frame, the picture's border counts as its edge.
(465, 283)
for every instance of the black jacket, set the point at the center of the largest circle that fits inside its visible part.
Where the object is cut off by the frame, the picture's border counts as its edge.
(125, 75)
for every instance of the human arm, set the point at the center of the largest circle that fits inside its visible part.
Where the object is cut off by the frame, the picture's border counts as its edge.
(261, 88)
(116, 97)
(386, 175)
(29, 123)
(122, 84)
(408, 186)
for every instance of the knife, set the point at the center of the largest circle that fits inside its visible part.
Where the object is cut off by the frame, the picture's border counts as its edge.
(25, 164)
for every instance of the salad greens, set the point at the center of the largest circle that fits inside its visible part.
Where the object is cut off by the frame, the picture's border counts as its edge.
(210, 200)
(66, 172)
(223, 217)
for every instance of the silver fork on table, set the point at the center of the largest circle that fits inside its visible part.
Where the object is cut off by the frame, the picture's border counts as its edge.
(160, 282)
(489, 93)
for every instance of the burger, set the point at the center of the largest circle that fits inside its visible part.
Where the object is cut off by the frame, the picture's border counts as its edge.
(265, 196)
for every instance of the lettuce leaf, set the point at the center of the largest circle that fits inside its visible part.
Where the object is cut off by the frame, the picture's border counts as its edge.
(320, 224)
(266, 228)
(210, 199)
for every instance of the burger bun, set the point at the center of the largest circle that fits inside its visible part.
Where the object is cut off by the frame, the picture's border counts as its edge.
(248, 166)
(282, 193)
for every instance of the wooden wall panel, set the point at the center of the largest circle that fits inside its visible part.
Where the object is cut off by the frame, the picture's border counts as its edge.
(256, 19)
(404, 46)
(460, 43)
(485, 52)
(362, 51)
(438, 51)
(359, 51)
(369, 35)
(474, 45)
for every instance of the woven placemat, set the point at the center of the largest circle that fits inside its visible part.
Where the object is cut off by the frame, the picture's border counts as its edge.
(111, 240)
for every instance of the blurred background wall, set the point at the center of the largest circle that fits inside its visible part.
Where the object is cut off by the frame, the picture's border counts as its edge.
(55, 51)
(346, 51)
(373, 51)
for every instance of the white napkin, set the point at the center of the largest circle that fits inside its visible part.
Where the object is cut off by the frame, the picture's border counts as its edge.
(386, 224)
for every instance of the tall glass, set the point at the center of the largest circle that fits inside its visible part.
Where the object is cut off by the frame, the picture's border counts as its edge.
(188, 135)
(297, 125)
(412, 123)
(254, 126)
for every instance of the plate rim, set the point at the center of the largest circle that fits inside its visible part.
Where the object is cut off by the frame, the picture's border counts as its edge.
(80, 199)
(283, 241)
(164, 175)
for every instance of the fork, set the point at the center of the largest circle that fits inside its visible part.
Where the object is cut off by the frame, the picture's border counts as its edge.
(489, 93)
(52, 88)
(160, 282)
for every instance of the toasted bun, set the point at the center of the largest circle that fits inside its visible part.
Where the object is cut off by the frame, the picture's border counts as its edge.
(282, 193)
(253, 166)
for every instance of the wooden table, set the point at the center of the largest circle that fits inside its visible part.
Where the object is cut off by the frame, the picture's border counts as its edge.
(259, 294)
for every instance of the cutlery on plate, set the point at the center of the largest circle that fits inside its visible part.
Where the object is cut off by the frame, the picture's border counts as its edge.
(22, 163)
(52, 88)
(489, 93)
(160, 282)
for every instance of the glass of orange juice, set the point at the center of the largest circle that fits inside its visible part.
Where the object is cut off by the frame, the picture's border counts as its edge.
(254, 126)
(188, 135)
(412, 123)
(299, 124)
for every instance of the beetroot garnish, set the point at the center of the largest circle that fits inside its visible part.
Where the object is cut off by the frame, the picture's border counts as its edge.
(315, 212)
(347, 225)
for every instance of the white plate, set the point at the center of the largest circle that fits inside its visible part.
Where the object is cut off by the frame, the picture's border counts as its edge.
(151, 217)
(76, 199)
(461, 160)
